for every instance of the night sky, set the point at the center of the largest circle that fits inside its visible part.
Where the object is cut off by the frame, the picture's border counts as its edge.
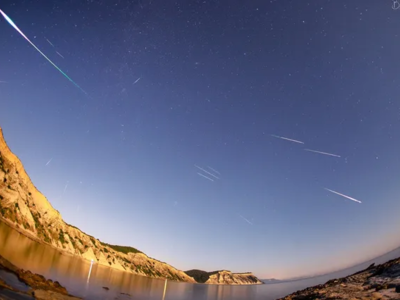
(167, 145)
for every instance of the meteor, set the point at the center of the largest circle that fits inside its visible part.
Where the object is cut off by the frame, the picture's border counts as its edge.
(37, 49)
(49, 42)
(59, 54)
(324, 153)
(345, 196)
(206, 172)
(49, 161)
(246, 220)
(205, 177)
(215, 171)
(287, 139)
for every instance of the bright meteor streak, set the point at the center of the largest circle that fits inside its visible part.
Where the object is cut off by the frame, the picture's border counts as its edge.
(287, 139)
(345, 196)
(34, 46)
(320, 152)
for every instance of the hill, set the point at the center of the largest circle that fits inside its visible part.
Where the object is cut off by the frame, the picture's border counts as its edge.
(24, 208)
(223, 277)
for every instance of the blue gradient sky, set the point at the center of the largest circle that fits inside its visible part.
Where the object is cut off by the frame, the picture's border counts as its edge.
(217, 78)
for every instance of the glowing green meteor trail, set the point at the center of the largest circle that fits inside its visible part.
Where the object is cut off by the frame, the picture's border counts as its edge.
(25, 37)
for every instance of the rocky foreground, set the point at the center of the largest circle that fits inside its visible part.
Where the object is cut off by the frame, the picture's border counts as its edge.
(375, 282)
(31, 286)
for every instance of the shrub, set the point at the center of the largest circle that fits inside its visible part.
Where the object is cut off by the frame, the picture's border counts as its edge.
(72, 242)
(37, 224)
(61, 237)
(123, 249)
(125, 260)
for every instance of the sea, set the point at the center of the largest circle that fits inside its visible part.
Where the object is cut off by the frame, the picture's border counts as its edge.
(89, 281)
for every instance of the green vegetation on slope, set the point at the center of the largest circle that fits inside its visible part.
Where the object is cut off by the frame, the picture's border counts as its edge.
(199, 275)
(2, 164)
(123, 249)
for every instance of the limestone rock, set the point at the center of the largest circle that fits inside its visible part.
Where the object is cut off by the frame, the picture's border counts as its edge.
(223, 277)
(375, 282)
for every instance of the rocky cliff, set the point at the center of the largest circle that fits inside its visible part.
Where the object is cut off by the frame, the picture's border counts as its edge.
(223, 277)
(23, 207)
(375, 282)
(28, 286)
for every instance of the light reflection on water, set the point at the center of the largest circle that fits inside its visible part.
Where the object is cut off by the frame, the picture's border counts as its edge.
(73, 274)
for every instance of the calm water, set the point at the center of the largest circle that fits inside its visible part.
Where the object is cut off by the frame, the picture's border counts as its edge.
(73, 274)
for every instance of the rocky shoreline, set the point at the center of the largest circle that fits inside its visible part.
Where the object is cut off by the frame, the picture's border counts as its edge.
(28, 285)
(375, 282)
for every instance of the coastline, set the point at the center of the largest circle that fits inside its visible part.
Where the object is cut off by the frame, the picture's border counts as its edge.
(29, 285)
(374, 282)
(35, 239)
(63, 252)
(26, 210)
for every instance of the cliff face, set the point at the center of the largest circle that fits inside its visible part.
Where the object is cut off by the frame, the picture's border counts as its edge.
(223, 277)
(25, 208)
(227, 277)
